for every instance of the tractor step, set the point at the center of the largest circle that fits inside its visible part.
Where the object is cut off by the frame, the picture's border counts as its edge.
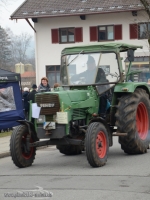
(119, 134)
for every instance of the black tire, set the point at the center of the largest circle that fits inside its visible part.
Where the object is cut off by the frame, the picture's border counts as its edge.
(18, 151)
(69, 149)
(133, 112)
(97, 144)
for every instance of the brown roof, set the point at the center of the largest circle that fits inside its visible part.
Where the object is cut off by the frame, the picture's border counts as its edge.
(28, 74)
(51, 8)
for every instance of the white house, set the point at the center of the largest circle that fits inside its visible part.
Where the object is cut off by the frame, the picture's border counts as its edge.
(64, 23)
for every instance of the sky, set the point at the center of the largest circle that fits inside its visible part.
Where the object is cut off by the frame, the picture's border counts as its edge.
(21, 26)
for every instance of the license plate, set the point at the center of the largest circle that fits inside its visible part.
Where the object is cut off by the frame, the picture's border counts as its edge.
(49, 125)
(62, 118)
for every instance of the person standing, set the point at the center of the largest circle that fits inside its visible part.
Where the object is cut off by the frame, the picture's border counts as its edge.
(44, 86)
(56, 85)
(31, 96)
(26, 103)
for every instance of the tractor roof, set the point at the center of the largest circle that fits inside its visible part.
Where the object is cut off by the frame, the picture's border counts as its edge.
(121, 47)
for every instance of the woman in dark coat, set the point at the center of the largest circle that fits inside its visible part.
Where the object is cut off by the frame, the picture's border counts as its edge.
(44, 86)
(31, 96)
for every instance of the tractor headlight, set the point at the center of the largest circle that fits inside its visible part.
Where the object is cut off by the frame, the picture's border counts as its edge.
(125, 89)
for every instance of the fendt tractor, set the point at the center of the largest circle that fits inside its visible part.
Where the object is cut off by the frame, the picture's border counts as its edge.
(96, 100)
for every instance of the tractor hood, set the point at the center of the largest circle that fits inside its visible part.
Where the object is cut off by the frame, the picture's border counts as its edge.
(77, 95)
(73, 95)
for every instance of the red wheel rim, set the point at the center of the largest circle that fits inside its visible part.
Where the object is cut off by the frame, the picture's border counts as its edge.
(101, 144)
(26, 155)
(142, 121)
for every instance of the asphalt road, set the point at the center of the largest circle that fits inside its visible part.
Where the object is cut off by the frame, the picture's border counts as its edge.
(71, 177)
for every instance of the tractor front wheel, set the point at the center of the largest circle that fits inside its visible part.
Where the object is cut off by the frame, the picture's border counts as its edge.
(133, 117)
(21, 156)
(96, 144)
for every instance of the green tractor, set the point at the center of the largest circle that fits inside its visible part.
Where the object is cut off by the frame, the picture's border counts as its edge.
(96, 101)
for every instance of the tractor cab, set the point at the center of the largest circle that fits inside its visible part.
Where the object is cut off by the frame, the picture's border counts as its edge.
(89, 68)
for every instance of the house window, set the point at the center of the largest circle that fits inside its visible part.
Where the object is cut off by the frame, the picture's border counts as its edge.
(67, 35)
(53, 74)
(105, 33)
(144, 30)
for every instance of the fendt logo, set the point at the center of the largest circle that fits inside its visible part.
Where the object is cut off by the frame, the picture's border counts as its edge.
(47, 105)
(3, 78)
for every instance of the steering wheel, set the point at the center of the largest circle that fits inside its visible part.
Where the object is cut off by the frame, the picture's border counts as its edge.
(114, 75)
(72, 83)
(80, 81)
(111, 74)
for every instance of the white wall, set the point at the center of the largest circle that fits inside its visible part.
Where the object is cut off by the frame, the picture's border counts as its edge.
(49, 54)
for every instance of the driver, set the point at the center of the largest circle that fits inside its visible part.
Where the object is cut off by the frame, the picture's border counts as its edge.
(89, 74)
(101, 76)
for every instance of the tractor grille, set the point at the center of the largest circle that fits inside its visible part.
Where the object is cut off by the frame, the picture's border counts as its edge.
(49, 103)
(49, 118)
(78, 114)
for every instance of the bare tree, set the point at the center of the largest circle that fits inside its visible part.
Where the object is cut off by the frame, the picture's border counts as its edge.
(146, 6)
(22, 42)
(5, 53)
(19, 47)
(143, 28)
(31, 59)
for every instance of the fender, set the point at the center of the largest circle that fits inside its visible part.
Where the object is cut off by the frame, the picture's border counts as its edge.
(100, 119)
(129, 87)
(30, 126)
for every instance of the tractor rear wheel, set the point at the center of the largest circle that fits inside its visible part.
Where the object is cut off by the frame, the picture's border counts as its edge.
(69, 149)
(21, 156)
(133, 117)
(96, 144)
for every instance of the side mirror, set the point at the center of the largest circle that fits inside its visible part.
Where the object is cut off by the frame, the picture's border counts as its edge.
(130, 54)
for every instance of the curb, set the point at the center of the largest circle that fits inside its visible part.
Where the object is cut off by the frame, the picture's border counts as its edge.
(7, 154)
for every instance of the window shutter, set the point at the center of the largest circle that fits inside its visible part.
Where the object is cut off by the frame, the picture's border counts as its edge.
(93, 33)
(133, 31)
(79, 34)
(118, 32)
(55, 35)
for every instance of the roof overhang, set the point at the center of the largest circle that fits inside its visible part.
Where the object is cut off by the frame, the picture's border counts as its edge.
(40, 15)
(56, 8)
(34, 9)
